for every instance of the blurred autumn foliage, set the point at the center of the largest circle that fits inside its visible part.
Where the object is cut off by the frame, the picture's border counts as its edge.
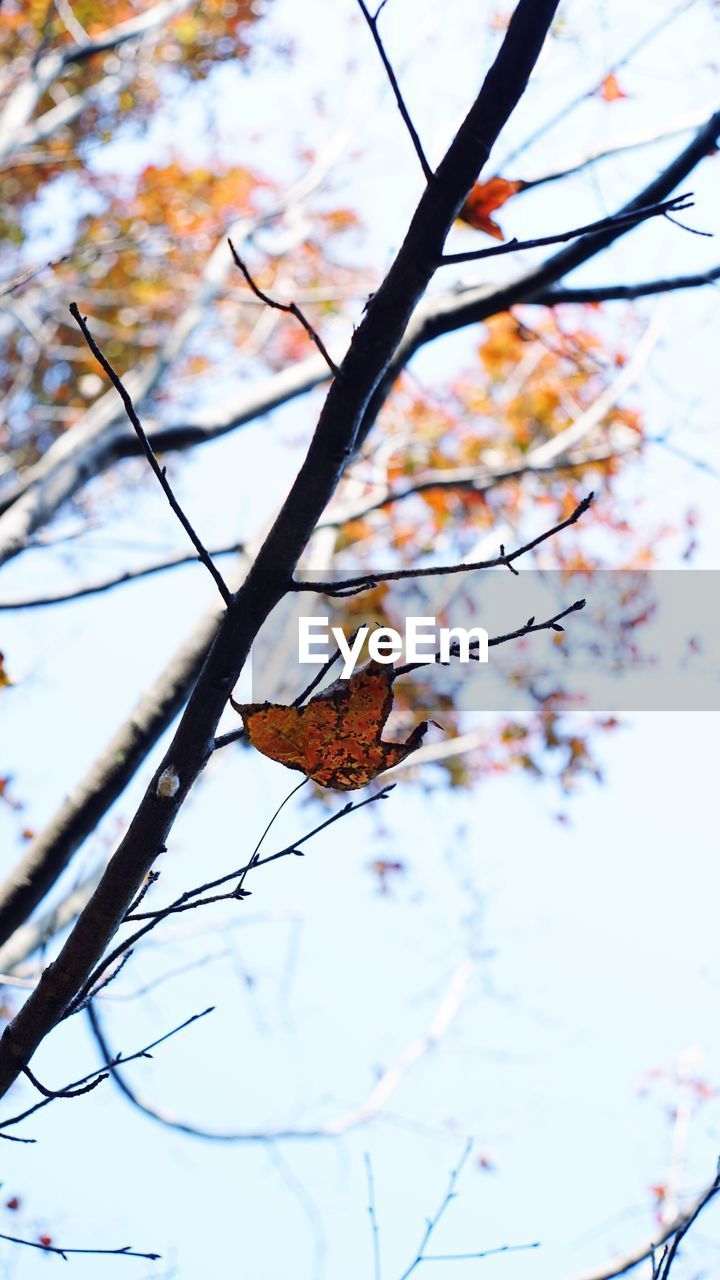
(135, 239)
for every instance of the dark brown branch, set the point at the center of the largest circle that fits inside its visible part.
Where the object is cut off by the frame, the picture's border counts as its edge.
(366, 581)
(159, 471)
(115, 580)
(371, 350)
(290, 309)
(626, 292)
(372, 21)
(617, 221)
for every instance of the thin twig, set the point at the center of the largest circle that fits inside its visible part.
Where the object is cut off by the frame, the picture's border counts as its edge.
(109, 977)
(290, 309)
(562, 114)
(682, 124)
(327, 666)
(475, 480)
(530, 627)
(357, 1116)
(372, 21)
(239, 893)
(124, 1252)
(484, 1253)
(114, 580)
(432, 1223)
(648, 1252)
(184, 902)
(203, 554)
(365, 582)
(373, 1218)
(62, 1093)
(682, 1231)
(107, 1067)
(613, 222)
(152, 878)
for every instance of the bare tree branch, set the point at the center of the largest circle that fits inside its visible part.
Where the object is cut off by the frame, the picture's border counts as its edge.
(160, 472)
(476, 480)
(365, 581)
(362, 1114)
(202, 895)
(372, 21)
(115, 580)
(431, 1223)
(372, 1214)
(633, 143)
(87, 1080)
(616, 221)
(559, 116)
(52, 1094)
(646, 1251)
(33, 936)
(627, 292)
(125, 1252)
(473, 307)
(290, 308)
(44, 860)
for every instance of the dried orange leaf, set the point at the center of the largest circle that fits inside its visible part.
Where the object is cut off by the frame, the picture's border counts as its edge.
(483, 200)
(336, 738)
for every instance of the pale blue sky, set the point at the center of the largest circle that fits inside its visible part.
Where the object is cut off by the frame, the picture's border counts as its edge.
(593, 943)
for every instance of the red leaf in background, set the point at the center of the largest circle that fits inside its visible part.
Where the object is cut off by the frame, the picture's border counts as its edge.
(610, 90)
(483, 200)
